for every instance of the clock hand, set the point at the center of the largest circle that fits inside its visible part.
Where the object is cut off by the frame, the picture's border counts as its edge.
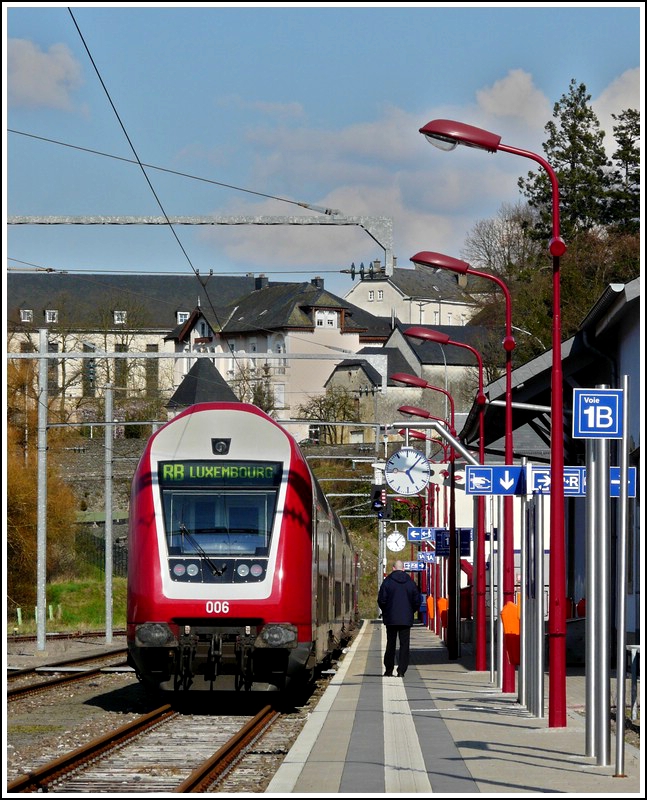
(408, 471)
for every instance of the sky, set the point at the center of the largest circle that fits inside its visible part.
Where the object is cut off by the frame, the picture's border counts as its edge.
(285, 110)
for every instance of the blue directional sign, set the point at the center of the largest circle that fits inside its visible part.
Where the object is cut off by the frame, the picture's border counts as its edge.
(575, 481)
(414, 566)
(442, 541)
(614, 482)
(495, 480)
(597, 413)
(427, 555)
(420, 534)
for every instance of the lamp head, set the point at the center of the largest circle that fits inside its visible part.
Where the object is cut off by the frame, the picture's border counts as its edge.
(426, 258)
(446, 134)
(418, 332)
(410, 380)
(414, 411)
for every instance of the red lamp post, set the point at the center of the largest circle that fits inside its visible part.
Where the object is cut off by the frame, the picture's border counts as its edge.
(480, 657)
(414, 380)
(421, 436)
(438, 260)
(448, 134)
(415, 411)
(453, 611)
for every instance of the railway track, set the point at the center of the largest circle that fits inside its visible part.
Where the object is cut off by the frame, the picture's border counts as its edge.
(76, 669)
(163, 751)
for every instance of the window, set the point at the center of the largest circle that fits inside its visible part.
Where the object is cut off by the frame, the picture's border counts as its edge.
(380, 295)
(279, 395)
(89, 374)
(371, 296)
(52, 369)
(152, 372)
(449, 317)
(121, 369)
(119, 317)
(326, 318)
(181, 316)
(222, 517)
(51, 315)
(26, 315)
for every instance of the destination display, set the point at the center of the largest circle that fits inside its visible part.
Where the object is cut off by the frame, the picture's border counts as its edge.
(220, 473)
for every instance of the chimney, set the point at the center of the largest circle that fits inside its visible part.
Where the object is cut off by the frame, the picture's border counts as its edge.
(261, 282)
(318, 282)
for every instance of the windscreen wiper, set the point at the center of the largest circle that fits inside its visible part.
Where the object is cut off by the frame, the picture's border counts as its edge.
(214, 569)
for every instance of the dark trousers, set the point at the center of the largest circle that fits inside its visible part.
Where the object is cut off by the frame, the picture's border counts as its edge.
(393, 633)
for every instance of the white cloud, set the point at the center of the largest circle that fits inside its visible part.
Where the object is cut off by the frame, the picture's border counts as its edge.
(515, 96)
(620, 95)
(36, 78)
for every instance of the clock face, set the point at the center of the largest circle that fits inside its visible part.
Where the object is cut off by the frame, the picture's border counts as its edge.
(395, 542)
(407, 471)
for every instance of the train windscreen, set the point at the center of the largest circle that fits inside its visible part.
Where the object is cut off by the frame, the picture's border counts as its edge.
(223, 509)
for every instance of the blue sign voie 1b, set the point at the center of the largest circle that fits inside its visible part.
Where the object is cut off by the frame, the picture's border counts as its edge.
(597, 413)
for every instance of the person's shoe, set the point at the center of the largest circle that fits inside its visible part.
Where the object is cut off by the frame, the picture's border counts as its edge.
(400, 674)
(388, 674)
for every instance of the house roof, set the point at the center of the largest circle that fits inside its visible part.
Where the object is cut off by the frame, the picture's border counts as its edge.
(395, 363)
(433, 353)
(432, 284)
(292, 306)
(152, 301)
(203, 383)
(439, 284)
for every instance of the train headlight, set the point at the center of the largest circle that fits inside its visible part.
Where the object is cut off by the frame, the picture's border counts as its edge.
(280, 635)
(155, 634)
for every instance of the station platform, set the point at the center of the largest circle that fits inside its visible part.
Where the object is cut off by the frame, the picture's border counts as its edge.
(442, 729)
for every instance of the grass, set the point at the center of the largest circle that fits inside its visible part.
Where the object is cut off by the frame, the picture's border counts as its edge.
(76, 606)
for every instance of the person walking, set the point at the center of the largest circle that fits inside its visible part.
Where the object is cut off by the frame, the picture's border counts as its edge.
(398, 598)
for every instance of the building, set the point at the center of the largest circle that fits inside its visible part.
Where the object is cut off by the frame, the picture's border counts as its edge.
(143, 334)
(417, 296)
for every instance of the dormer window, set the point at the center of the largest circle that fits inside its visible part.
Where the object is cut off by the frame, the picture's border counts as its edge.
(119, 317)
(51, 315)
(26, 315)
(181, 316)
(328, 319)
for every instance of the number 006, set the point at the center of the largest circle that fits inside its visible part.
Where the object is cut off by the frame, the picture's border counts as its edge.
(217, 607)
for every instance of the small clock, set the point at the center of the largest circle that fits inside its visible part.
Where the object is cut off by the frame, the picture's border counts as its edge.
(395, 542)
(407, 471)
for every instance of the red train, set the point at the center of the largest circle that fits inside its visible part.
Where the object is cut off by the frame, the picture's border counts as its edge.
(240, 575)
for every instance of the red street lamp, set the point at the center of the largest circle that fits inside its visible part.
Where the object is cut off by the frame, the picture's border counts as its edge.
(453, 611)
(447, 134)
(423, 437)
(438, 260)
(415, 411)
(414, 380)
(480, 657)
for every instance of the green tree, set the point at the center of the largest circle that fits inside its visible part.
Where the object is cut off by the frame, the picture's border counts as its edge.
(336, 405)
(22, 492)
(623, 202)
(575, 151)
(599, 218)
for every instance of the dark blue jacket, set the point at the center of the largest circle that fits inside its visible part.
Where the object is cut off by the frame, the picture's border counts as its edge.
(399, 598)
